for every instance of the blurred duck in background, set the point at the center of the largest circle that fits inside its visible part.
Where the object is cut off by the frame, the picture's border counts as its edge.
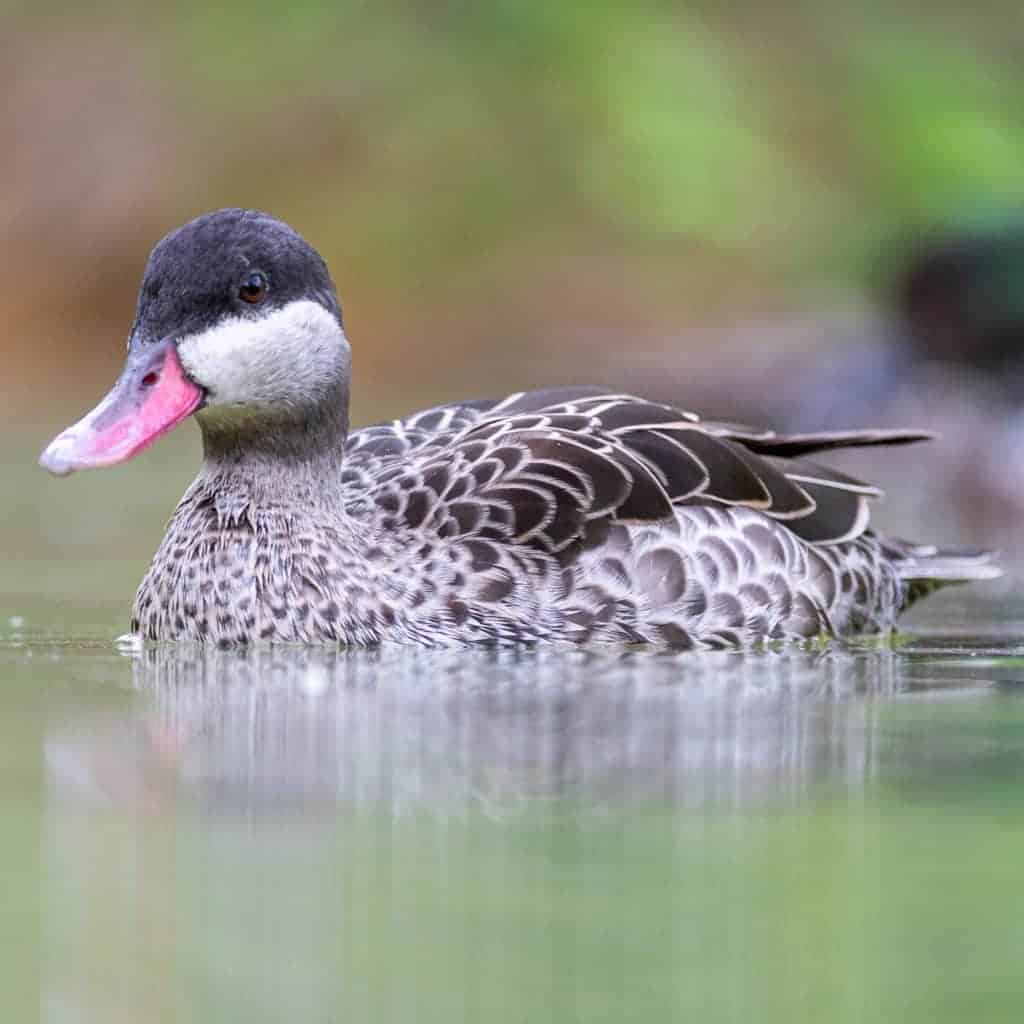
(947, 356)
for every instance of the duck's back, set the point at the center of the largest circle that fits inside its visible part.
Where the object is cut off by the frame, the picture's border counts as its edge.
(576, 514)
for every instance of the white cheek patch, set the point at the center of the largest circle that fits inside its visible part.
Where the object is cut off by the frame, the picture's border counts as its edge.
(293, 356)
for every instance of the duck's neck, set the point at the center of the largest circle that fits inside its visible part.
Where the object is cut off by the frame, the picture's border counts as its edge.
(265, 459)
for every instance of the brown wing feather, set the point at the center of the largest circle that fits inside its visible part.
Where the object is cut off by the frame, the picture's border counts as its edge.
(536, 467)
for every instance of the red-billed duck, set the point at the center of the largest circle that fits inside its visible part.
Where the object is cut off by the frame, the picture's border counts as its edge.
(562, 515)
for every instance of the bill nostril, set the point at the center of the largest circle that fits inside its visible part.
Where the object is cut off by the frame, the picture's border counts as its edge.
(150, 379)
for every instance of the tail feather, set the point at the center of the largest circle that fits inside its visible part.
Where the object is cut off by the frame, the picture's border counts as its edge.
(794, 445)
(925, 568)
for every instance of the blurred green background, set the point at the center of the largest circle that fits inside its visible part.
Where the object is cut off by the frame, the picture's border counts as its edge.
(504, 190)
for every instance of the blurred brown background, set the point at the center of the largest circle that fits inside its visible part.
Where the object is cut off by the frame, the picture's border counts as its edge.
(509, 194)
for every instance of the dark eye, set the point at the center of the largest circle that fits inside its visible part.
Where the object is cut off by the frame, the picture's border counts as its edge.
(254, 288)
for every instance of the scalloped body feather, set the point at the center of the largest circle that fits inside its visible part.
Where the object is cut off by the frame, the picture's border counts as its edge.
(567, 515)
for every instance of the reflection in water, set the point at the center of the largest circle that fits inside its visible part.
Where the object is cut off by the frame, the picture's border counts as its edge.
(406, 835)
(289, 731)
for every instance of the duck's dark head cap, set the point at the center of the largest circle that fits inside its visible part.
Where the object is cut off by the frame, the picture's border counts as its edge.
(194, 273)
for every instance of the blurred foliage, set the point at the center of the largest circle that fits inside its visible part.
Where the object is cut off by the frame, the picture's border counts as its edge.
(650, 118)
(497, 170)
(748, 127)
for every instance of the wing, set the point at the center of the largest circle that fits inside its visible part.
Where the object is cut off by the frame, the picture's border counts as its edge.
(537, 467)
(371, 451)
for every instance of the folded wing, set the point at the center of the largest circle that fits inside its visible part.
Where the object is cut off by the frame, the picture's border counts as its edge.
(536, 467)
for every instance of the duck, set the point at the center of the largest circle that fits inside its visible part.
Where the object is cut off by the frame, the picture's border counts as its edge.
(572, 514)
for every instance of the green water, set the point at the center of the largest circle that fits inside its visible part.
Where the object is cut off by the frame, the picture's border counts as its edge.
(451, 836)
